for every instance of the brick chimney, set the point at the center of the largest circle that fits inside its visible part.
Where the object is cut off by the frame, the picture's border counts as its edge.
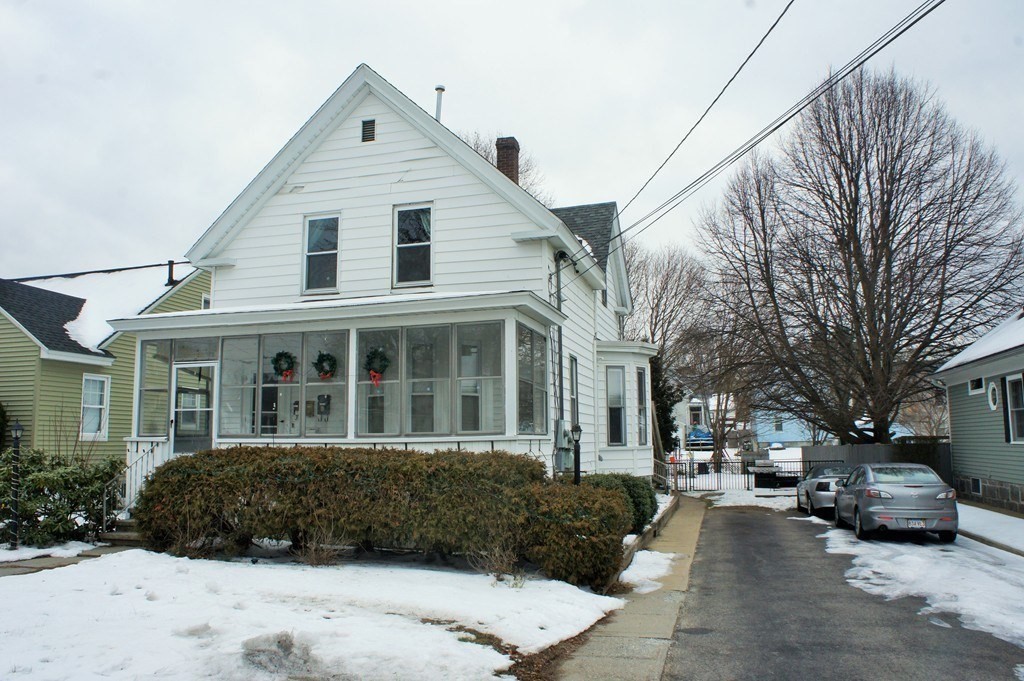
(508, 157)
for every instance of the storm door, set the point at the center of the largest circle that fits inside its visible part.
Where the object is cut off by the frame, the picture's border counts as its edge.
(192, 419)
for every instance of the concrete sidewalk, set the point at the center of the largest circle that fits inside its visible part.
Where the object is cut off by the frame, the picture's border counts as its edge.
(30, 565)
(633, 643)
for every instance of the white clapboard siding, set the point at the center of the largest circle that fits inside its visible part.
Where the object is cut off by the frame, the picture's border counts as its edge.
(363, 182)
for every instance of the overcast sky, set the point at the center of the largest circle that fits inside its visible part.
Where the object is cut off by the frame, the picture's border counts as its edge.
(127, 127)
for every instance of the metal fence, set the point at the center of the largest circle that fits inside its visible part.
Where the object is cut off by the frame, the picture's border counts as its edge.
(732, 474)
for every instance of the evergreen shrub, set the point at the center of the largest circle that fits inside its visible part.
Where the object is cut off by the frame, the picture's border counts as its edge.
(639, 494)
(60, 497)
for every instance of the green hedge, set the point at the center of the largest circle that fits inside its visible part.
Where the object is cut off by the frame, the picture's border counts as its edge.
(60, 498)
(448, 501)
(639, 495)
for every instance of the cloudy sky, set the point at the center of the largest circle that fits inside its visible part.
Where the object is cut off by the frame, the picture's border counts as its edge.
(127, 127)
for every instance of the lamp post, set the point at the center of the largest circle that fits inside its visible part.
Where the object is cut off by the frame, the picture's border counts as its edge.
(577, 432)
(16, 431)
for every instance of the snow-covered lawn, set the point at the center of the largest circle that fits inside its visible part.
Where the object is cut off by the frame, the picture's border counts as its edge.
(983, 585)
(138, 614)
(646, 568)
(68, 550)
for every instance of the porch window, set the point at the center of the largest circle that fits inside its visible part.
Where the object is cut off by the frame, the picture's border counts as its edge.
(95, 407)
(321, 258)
(428, 379)
(378, 392)
(616, 389)
(195, 349)
(325, 397)
(154, 387)
(481, 393)
(238, 376)
(281, 390)
(641, 398)
(531, 358)
(412, 245)
(1015, 407)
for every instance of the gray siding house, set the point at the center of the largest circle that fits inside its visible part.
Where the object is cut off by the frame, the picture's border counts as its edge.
(985, 392)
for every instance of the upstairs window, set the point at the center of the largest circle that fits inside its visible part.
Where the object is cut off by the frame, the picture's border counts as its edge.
(412, 246)
(321, 259)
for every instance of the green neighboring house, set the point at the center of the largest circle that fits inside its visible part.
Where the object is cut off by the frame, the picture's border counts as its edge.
(985, 393)
(64, 373)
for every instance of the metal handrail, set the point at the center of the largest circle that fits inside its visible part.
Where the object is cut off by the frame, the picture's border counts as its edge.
(115, 494)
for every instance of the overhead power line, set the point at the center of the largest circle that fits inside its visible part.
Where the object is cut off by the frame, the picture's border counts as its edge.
(850, 67)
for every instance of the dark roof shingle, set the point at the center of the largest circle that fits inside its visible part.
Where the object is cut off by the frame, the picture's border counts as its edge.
(43, 314)
(592, 222)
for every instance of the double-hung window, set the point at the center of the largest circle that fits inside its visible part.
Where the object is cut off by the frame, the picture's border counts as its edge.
(95, 407)
(412, 246)
(1015, 407)
(321, 257)
(616, 387)
(641, 398)
(574, 390)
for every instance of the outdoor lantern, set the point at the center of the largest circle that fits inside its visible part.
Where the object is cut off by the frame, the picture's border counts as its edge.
(576, 432)
(17, 430)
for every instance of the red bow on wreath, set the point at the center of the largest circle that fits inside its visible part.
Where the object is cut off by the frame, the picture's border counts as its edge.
(375, 377)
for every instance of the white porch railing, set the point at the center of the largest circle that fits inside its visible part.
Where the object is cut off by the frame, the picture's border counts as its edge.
(143, 456)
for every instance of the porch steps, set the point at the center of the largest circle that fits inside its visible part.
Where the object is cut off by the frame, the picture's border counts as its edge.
(125, 534)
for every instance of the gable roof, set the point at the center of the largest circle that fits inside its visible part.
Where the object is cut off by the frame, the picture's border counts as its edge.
(1006, 337)
(592, 222)
(110, 294)
(327, 118)
(43, 315)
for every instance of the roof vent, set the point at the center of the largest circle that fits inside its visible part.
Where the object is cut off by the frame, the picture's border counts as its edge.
(369, 130)
(437, 111)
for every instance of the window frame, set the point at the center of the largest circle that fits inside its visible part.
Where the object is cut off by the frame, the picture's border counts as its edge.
(104, 429)
(419, 283)
(976, 391)
(534, 335)
(574, 390)
(620, 407)
(641, 406)
(306, 290)
(1016, 438)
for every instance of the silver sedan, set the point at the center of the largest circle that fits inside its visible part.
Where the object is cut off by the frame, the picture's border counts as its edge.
(817, 489)
(896, 497)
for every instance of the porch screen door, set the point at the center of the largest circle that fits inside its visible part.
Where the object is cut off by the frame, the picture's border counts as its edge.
(193, 408)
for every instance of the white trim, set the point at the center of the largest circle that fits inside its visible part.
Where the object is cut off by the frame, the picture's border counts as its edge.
(976, 391)
(101, 434)
(993, 395)
(91, 360)
(395, 210)
(304, 265)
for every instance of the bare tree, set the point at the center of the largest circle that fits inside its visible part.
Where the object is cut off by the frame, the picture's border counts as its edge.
(926, 416)
(876, 244)
(530, 177)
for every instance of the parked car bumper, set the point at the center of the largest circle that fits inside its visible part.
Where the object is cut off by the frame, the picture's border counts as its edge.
(879, 517)
(826, 499)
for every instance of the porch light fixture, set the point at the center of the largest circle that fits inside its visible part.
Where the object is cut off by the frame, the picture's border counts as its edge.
(577, 433)
(17, 430)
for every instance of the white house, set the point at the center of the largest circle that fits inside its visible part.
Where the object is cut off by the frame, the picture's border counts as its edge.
(379, 283)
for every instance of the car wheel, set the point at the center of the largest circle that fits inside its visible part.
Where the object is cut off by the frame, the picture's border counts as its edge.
(947, 536)
(858, 527)
(839, 519)
(810, 506)
(800, 507)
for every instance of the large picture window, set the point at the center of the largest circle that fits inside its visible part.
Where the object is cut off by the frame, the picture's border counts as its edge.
(531, 359)
(616, 389)
(412, 245)
(1015, 407)
(321, 257)
(95, 407)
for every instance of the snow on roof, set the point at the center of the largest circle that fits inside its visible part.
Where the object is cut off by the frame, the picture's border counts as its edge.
(1008, 335)
(110, 295)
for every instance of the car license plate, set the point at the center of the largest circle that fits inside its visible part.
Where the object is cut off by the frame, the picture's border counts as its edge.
(915, 524)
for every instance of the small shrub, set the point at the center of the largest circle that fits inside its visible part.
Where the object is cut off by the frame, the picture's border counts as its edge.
(577, 532)
(639, 494)
(61, 497)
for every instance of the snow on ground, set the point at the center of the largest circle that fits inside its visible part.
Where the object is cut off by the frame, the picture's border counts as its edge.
(983, 585)
(647, 566)
(783, 500)
(998, 527)
(68, 550)
(138, 614)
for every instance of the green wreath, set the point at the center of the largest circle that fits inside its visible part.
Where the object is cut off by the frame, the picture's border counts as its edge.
(284, 365)
(325, 365)
(376, 361)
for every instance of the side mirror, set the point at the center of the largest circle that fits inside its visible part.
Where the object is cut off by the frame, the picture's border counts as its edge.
(840, 483)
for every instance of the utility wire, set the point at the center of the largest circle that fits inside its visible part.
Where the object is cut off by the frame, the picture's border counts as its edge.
(699, 120)
(686, 192)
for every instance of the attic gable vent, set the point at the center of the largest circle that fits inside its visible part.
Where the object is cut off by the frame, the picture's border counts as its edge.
(369, 130)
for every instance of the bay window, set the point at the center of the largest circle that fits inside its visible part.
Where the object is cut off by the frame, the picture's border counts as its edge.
(531, 360)
(641, 398)
(616, 392)
(481, 393)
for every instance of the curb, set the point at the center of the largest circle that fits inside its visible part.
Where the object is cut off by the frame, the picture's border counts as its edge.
(989, 542)
(644, 540)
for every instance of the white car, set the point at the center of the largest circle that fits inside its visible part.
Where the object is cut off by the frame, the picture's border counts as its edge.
(817, 489)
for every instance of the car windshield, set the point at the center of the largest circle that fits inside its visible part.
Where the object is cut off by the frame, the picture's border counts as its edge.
(900, 474)
(831, 471)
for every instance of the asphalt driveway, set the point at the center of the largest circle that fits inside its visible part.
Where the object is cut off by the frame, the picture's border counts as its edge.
(767, 602)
